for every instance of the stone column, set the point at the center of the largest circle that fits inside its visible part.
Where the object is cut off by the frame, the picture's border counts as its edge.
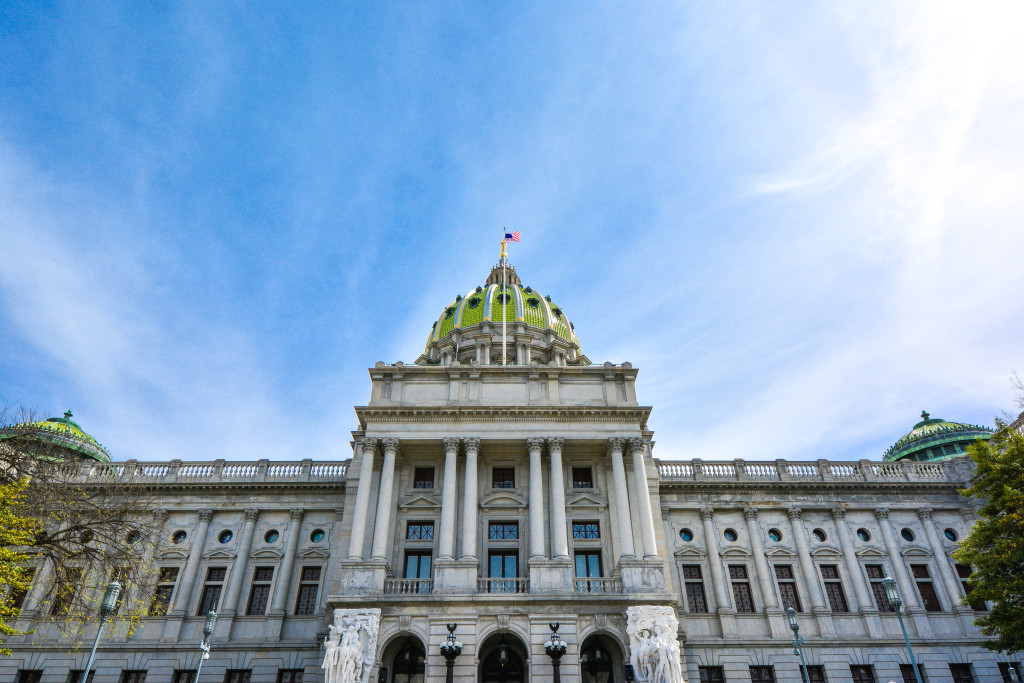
(559, 536)
(230, 606)
(715, 560)
(537, 543)
(195, 555)
(951, 582)
(907, 589)
(382, 523)
(860, 585)
(637, 449)
(470, 503)
(621, 512)
(449, 494)
(284, 574)
(811, 579)
(757, 547)
(362, 507)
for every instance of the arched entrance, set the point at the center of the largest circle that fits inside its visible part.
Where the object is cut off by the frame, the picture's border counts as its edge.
(503, 660)
(406, 660)
(601, 660)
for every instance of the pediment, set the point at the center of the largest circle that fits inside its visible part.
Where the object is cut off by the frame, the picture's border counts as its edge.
(780, 552)
(735, 552)
(871, 553)
(826, 551)
(314, 552)
(690, 553)
(916, 551)
(503, 500)
(585, 500)
(219, 554)
(173, 555)
(267, 554)
(420, 501)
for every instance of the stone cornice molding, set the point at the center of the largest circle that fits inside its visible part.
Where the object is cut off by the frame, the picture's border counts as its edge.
(451, 445)
(392, 414)
(472, 445)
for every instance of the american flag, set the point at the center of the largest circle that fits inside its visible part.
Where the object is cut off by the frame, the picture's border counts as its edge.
(512, 236)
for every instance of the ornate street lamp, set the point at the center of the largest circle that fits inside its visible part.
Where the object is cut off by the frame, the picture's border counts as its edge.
(107, 607)
(204, 645)
(450, 649)
(893, 595)
(555, 647)
(798, 641)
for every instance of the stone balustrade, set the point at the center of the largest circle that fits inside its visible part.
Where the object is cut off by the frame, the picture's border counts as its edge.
(596, 584)
(954, 470)
(408, 586)
(216, 472)
(509, 585)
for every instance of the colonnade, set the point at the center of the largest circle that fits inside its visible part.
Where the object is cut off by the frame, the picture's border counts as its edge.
(556, 531)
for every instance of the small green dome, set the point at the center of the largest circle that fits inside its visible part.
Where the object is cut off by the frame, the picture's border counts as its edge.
(64, 433)
(935, 439)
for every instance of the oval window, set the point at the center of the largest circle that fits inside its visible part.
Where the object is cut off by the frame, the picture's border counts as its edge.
(775, 535)
(133, 537)
(730, 535)
(317, 535)
(863, 535)
(686, 535)
(272, 536)
(179, 536)
(951, 535)
(907, 535)
(820, 535)
(225, 536)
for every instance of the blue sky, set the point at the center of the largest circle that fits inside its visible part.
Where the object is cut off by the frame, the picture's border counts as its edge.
(803, 223)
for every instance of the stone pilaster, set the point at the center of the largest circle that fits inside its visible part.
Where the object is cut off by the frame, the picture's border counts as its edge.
(362, 505)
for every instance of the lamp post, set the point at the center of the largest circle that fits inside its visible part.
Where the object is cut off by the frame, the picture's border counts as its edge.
(108, 605)
(798, 641)
(204, 644)
(555, 647)
(892, 593)
(1012, 674)
(450, 649)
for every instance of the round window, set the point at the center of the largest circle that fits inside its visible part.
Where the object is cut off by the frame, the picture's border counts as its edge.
(317, 535)
(225, 536)
(951, 535)
(730, 535)
(820, 535)
(863, 535)
(272, 536)
(907, 534)
(775, 535)
(179, 536)
(133, 537)
(686, 535)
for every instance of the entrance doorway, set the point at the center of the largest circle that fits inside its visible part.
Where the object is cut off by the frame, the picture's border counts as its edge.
(408, 663)
(504, 662)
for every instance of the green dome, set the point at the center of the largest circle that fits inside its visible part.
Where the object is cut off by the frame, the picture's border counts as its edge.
(936, 439)
(64, 433)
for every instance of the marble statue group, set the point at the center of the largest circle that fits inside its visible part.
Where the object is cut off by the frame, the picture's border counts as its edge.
(653, 644)
(351, 647)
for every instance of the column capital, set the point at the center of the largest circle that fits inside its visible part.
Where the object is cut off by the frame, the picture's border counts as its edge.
(369, 445)
(251, 514)
(451, 445)
(390, 444)
(881, 513)
(616, 444)
(794, 512)
(297, 514)
(160, 516)
(205, 515)
(535, 444)
(636, 445)
(750, 512)
(925, 513)
(707, 512)
(838, 514)
(472, 444)
(556, 443)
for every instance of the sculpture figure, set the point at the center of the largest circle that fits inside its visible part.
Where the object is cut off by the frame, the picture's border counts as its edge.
(654, 649)
(351, 647)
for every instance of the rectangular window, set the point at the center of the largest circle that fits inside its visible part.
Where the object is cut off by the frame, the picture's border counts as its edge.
(419, 531)
(961, 673)
(815, 673)
(237, 675)
(588, 564)
(875, 575)
(834, 588)
(423, 478)
(309, 585)
(259, 595)
(289, 676)
(503, 478)
(211, 591)
(589, 529)
(907, 673)
(417, 565)
(696, 601)
(75, 676)
(502, 565)
(1004, 671)
(762, 674)
(582, 478)
(787, 587)
(29, 675)
(164, 590)
(133, 676)
(925, 588)
(741, 588)
(503, 531)
(862, 673)
(68, 581)
(17, 598)
(184, 676)
(711, 674)
(964, 572)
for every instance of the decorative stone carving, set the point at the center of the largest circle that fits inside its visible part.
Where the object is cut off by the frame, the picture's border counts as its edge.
(839, 514)
(351, 647)
(615, 444)
(556, 443)
(925, 513)
(794, 512)
(882, 513)
(472, 445)
(370, 445)
(636, 446)
(750, 512)
(451, 445)
(654, 644)
(251, 514)
(535, 444)
(205, 515)
(707, 512)
(390, 444)
(297, 514)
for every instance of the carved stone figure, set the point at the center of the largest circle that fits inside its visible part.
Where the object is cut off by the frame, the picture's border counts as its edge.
(654, 647)
(351, 647)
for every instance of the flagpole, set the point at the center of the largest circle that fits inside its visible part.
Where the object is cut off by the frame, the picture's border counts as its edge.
(501, 299)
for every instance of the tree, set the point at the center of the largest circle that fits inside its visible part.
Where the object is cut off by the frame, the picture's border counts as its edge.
(995, 547)
(78, 524)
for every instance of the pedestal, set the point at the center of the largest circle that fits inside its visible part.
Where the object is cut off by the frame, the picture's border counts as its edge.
(455, 576)
(363, 576)
(551, 576)
(642, 576)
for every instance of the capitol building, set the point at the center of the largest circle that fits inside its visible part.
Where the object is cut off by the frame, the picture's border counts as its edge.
(502, 483)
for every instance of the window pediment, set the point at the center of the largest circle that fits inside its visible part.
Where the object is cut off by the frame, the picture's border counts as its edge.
(504, 500)
(780, 553)
(826, 552)
(267, 554)
(735, 552)
(313, 552)
(585, 500)
(219, 554)
(870, 553)
(421, 502)
(916, 551)
(690, 553)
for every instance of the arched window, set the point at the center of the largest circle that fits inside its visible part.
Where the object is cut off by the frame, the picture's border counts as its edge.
(503, 665)
(595, 664)
(408, 666)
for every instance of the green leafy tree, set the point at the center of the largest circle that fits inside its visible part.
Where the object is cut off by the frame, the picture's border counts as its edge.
(995, 547)
(16, 531)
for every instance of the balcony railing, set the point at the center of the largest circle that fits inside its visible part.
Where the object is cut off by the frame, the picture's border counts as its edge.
(215, 472)
(503, 585)
(591, 584)
(408, 586)
(954, 470)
